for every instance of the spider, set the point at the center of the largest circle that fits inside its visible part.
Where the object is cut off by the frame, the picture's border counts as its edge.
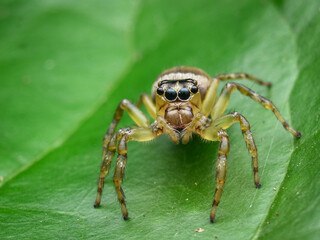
(184, 102)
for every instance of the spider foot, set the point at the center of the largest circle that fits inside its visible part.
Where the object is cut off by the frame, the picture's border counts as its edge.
(299, 134)
(258, 185)
(125, 217)
(96, 205)
(212, 219)
(269, 84)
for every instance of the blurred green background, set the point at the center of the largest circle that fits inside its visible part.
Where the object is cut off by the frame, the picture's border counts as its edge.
(64, 67)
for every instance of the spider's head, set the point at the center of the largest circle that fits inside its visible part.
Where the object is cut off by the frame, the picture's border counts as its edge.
(180, 86)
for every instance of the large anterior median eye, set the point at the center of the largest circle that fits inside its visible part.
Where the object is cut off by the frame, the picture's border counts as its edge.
(171, 94)
(184, 94)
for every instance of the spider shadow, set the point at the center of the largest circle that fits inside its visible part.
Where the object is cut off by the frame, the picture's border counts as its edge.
(185, 165)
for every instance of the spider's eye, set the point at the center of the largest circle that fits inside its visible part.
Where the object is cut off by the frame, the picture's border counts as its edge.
(160, 91)
(194, 89)
(184, 94)
(171, 94)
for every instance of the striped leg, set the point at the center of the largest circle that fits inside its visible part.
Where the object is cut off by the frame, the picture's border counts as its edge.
(109, 141)
(215, 133)
(210, 97)
(226, 121)
(233, 76)
(134, 112)
(125, 135)
(119, 173)
(224, 98)
(108, 153)
(221, 171)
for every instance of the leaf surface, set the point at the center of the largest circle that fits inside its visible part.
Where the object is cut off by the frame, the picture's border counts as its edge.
(66, 67)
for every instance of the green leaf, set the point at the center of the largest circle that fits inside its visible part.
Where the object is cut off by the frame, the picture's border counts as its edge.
(65, 67)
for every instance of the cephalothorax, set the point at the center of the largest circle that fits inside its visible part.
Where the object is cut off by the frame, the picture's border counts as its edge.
(184, 102)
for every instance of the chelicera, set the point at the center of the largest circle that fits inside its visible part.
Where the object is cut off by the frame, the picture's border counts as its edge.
(184, 101)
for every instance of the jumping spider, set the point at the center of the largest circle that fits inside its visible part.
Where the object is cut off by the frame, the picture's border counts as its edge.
(184, 102)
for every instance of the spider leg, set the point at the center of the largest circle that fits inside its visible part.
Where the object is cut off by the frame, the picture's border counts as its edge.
(110, 140)
(214, 133)
(134, 112)
(224, 98)
(198, 124)
(233, 76)
(108, 153)
(210, 97)
(125, 135)
(221, 171)
(211, 94)
(146, 100)
(226, 121)
(159, 127)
